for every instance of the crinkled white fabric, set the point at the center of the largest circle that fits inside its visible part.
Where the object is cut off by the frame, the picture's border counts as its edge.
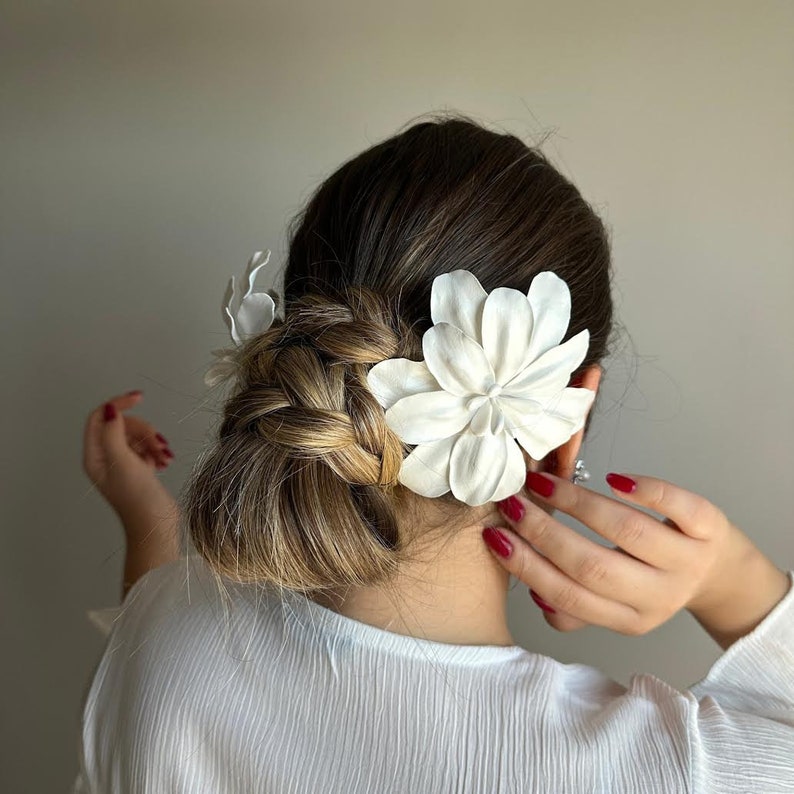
(277, 694)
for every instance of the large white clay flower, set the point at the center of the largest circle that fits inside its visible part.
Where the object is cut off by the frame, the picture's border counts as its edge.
(252, 314)
(493, 374)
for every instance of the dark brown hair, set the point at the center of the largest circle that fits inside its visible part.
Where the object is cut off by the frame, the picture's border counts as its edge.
(300, 488)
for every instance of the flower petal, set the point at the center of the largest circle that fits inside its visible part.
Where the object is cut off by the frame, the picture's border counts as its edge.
(481, 421)
(229, 310)
(550, 300)
(515, 473)
(540, 434)
(547, 435)
(507, 332)
(521, 418)
(548, 374)
(497, 420)
(253, 268)
(572, 405)
(232, 305)
(519, 409)
(395, 378)
(478, 467)
(429, 416)
(458, 298)
(458, 363)
(426, 469)
(255, 314)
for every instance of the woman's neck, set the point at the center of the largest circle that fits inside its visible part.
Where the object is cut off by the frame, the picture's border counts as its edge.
(455, 594)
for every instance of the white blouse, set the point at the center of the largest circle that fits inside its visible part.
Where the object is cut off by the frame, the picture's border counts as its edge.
(275, 693)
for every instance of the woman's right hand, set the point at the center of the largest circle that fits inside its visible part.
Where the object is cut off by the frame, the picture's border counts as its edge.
(688, 559)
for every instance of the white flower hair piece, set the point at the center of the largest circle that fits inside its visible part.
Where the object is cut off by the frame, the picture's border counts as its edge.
(493, 374)
(247, 316)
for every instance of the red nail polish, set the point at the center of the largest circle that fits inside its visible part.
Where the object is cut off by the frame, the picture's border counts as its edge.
(541, 603)
(512, 508)
(497, 541)
(161, 438)
(110, 411)
(168, 452)
(621, 483)
(540, 484)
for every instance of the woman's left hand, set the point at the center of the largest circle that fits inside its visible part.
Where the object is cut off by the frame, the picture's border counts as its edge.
(121, 455)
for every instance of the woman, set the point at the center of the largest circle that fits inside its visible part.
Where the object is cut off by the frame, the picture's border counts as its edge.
(393, 450)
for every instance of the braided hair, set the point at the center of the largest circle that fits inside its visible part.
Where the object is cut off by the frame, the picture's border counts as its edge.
(304, 452)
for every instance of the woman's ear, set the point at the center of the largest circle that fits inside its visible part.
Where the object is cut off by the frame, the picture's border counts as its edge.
(562, 461)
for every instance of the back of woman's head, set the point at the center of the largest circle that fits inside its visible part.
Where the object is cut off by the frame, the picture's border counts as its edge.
(300, 489)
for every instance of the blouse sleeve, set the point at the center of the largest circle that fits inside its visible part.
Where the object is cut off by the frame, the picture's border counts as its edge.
(103, 619)
(741, 715)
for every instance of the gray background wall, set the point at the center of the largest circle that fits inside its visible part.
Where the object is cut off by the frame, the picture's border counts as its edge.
(148, 148)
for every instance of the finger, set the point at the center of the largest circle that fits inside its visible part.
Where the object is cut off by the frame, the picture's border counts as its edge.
(113, 433)
(94, 448)
(96, 419)
(148, 450)
(600, 570)
(641, 535)
(563, 622)
(124, 402)
(683, 510)
(162, 457)
(157, 462)
(144, 438)
(560, 591)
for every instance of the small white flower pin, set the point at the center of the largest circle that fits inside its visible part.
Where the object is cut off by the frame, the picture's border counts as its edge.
(245, 317)
(493, 374)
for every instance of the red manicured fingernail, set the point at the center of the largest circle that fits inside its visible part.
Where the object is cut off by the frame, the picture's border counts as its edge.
(110, 411)
(621, 483)
(168, 452)
(161, 438)
(541, 603)
(497, 541)
(540, 484)
(512, 508)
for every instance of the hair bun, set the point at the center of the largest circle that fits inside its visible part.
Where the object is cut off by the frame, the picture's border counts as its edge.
(304, 446)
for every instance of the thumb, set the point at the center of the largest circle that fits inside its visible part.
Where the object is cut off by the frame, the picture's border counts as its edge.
(104, 440)
(113, 435)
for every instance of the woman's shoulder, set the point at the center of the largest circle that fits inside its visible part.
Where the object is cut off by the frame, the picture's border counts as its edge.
(183, 592)
(180, 626)
(172, 587)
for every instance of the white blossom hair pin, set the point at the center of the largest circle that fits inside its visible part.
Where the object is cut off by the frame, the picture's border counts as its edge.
(493, 374)
(247, 316)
